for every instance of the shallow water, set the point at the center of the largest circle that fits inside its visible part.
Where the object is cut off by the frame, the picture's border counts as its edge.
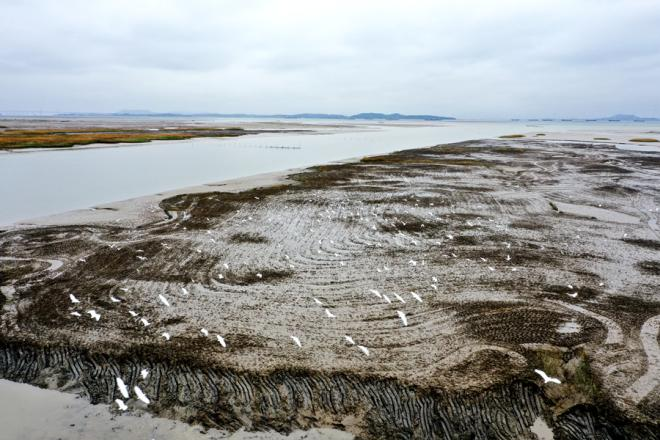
(39, 183)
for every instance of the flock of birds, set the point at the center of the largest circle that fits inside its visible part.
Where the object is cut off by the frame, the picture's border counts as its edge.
(372, 220)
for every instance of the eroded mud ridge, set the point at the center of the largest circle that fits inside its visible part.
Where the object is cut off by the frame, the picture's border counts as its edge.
(404, 296)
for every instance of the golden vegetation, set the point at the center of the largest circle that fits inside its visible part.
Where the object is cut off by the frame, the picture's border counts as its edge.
(43, 138)
(643, 140)
(512, 136)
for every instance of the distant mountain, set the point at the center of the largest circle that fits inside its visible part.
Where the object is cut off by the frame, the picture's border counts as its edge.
(361, 116)
(627, 118)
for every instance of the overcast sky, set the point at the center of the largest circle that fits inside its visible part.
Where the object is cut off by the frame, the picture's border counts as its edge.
(480, 59)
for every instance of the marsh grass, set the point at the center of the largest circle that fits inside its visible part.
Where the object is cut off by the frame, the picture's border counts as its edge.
(643, 140)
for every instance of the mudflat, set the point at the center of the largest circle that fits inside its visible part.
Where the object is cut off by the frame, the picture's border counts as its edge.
(409, 295)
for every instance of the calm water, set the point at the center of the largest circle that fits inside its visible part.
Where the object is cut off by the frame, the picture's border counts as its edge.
(39, 183)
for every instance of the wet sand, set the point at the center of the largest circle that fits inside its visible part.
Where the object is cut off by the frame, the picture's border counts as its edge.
(490, 249)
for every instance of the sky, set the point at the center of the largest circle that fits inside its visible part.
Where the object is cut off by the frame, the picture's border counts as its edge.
(468, 59)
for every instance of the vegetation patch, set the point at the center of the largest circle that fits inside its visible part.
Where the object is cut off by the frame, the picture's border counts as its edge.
(643, 140)
(248, 237)
(512, 136)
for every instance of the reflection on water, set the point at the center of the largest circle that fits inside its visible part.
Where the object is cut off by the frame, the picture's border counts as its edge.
(46, 182)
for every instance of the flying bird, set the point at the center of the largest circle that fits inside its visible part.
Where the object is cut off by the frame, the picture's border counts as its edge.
(133, 314)
(164, 300)
(114, 300)
(93, 314)
(76, 314)
(399, 298)
(364, 349)
(144, 373)
(204, 332)
(124, 289)
(416, 296)
(296, 340)
(385, 297)
(221, 340)
(349, 340)
(184, 290)
(547, 378)
(122, 387)
(403, 317)
(140, 395)
(144, 322)
(329, 314)
(73, 299)
(375, 292)
(120, 403)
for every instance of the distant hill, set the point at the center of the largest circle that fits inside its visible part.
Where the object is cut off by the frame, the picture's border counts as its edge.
(361, 116)
(627, 118)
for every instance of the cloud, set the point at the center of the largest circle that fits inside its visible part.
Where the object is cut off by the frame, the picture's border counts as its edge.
(467, 58)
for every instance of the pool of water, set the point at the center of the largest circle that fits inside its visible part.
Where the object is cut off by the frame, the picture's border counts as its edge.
(39, 183)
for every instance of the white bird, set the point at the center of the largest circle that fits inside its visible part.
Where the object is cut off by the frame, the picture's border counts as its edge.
(221, 340)
(93, 314)
(412, 262)
(221, 276)
(569, 286)
(75, 314)
(403, 317)
(133, 314)
(434, 287)
(114, 300)
(141, 258)
(399, 298)
(329, 314)
(416, 296)
(296, 340)
(204, 332)
(375, 292)
(144, 322)
(449, 236)
(122, 388)
(572, 295)
(120, 403)
(483, 259)
(389, 301)
(317, 301)
(124, 289)
(364, 349)
(259, 276)
(434, 279)
(73, 299)
(491, 268)
(164, 300)
(226, 266)
(349, 340)
(144, 373)
(140, 395)
(184, 290)
(601, 284)
(508, 257)
(166, 335)
(547, 378)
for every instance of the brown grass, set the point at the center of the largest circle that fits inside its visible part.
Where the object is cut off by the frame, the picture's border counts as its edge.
(512, 136)
(40, 138)
(643, 140)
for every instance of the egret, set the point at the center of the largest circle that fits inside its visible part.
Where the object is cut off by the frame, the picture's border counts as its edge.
(93, 314)
(296, 340)
(140, 395)
(184, 290)
(221, 340)
(204, 332)
(124, 289)
(416, 296)
(317, 301)
(375, 292)
(122, 387)
(144, 373)
(399, 298)
(364, 349)
(144, 322)
(120, 403)
(141, 258)
(547, 378)
(76, 314)
(329, 314)
(434, 287)
(259, 276)
(491, 268)
(349, 340)
(389, 301)
(402, 315)
(73, 299)
(166, 335)
(133, 314)
(114, 300)
(164, 300)
(572, 295)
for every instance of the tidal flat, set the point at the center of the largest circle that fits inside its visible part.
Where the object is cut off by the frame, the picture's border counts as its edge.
(406, 295)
